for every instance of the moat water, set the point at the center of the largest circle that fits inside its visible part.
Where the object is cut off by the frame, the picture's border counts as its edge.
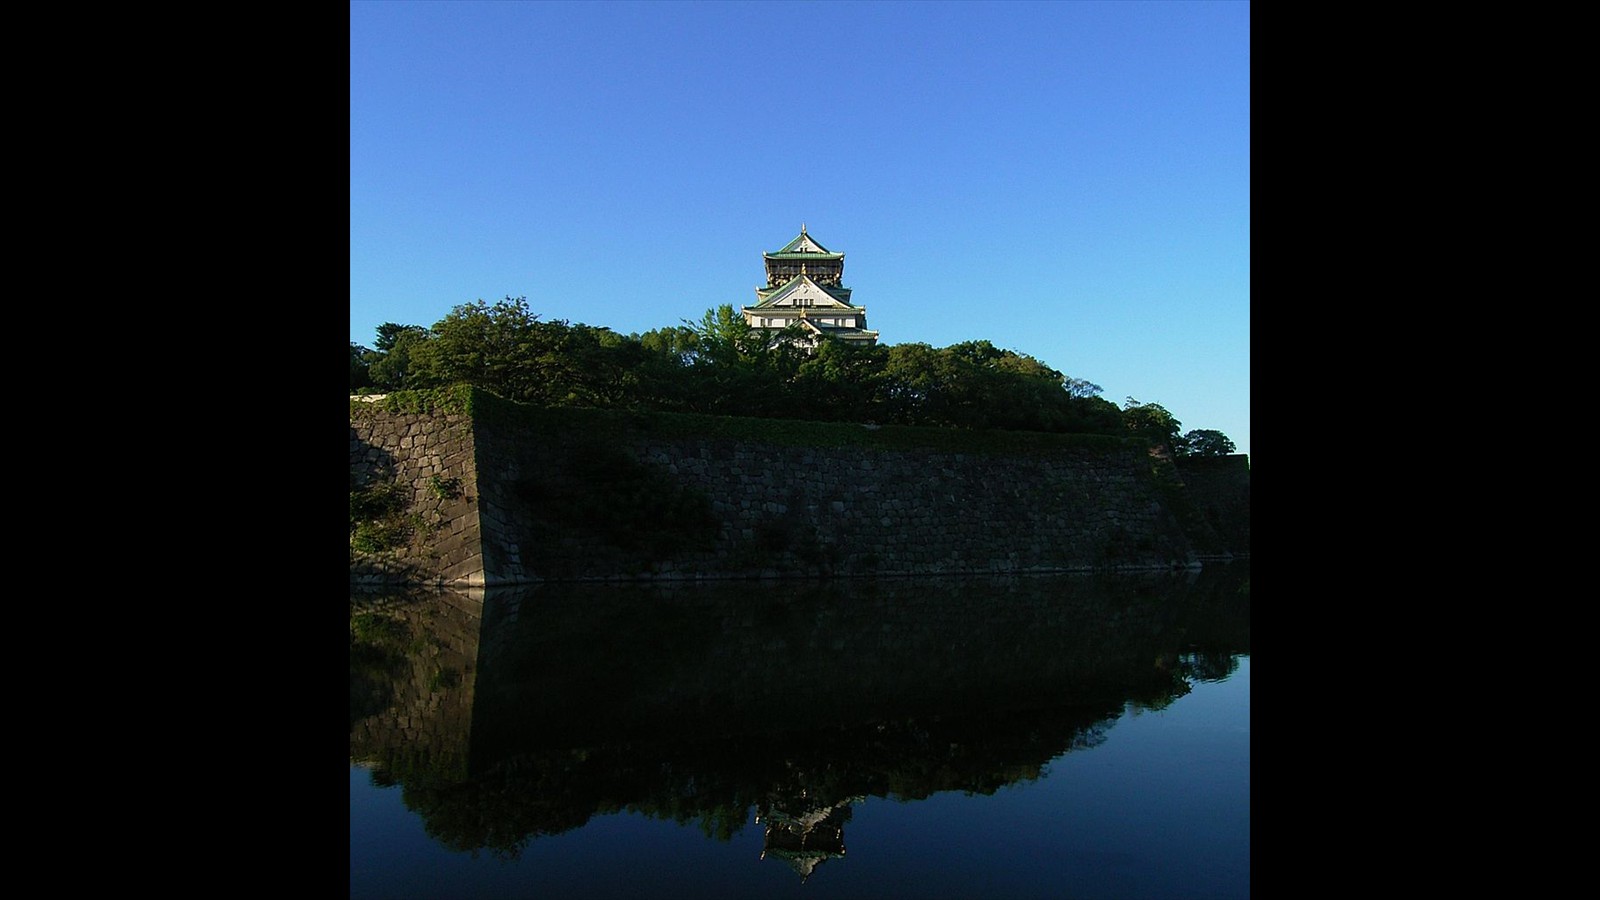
(1064, 736)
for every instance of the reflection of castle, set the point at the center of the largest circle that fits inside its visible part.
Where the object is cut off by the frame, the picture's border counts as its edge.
(805, 841)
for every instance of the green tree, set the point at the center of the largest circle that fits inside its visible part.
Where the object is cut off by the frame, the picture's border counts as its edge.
(585, 365)
(738, 370)
(675, 343)
(391, 362)
(722, 337)
(1205, 442)
(360, 376)
(496, 347)
(840, 381)
(1094, 415)
(1152, 422)
(914, 385)
(720, 365)
(975, 384)
(389, 334)
(666, 379)
(1035, 396)
(1079, 389)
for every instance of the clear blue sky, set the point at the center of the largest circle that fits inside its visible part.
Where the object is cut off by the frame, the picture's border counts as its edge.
(1069, 180)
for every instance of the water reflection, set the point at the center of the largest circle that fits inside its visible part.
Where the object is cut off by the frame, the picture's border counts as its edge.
(511, 714)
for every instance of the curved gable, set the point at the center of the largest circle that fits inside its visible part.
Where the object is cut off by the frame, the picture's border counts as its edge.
(801, 291)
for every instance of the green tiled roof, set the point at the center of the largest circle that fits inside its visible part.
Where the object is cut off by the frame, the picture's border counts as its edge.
(788, 250)
(844, 332)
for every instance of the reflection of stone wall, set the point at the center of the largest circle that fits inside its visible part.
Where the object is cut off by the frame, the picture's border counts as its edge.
(753, 657)
(696, 702)
(427, 720)
(779, 508)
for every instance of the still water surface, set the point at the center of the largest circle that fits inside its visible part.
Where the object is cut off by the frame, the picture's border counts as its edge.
(1049, 736)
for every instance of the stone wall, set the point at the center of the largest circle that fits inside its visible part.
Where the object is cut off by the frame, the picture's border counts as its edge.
(580, 496)
(431, 455)
(1219, 489)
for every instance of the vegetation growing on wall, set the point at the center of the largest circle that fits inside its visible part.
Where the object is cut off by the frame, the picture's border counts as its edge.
(488, 408)
(383, 515)
(379, 516)
(451, 399)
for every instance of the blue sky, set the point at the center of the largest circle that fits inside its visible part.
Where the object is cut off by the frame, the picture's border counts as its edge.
(1068, 180)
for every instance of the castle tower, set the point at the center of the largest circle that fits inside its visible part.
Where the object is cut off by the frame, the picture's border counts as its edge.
(805, 288)
(804, 841)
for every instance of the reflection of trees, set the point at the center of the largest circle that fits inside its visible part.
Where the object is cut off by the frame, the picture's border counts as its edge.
(508, 806)
(1210, 665)
(700, 705)
(716, 784)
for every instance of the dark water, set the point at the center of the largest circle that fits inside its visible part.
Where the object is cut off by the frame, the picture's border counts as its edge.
(1049, 736)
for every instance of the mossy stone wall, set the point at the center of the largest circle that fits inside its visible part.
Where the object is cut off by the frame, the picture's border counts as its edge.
(430, 456)
(592, 495)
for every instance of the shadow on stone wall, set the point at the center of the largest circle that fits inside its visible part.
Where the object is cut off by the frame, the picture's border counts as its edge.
(1218, 490)
(377, 508)
(571, 494)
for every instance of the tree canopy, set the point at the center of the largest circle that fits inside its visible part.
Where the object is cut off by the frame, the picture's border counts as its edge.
(1206, 442)
(720, 365)
(1152, 422)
